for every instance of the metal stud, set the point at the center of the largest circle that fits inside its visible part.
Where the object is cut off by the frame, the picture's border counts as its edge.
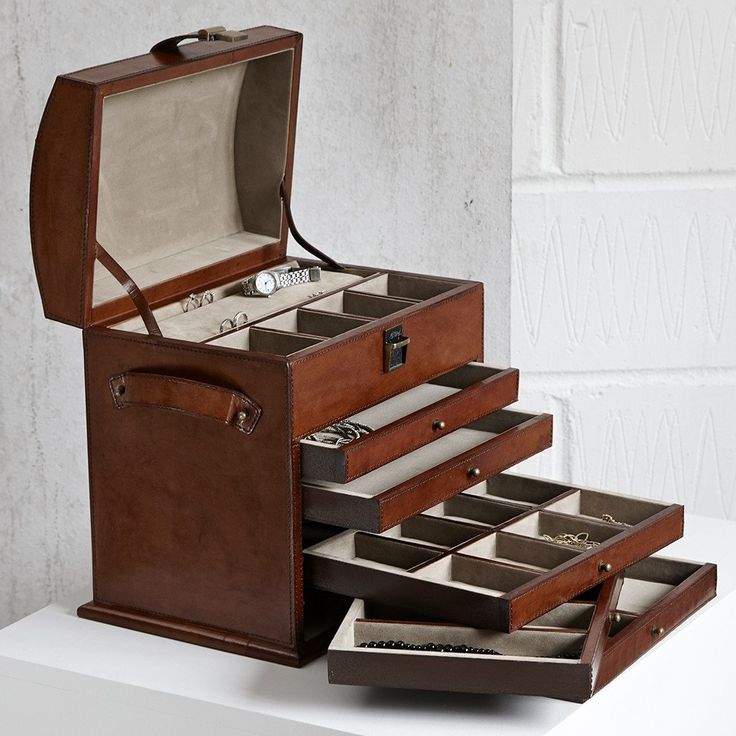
(657, 631)
(242, 416)
(438, 425)
(473, 472)
(616, 618)
(604, 566)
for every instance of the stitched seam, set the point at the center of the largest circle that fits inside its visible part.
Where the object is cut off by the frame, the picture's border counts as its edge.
(404, 425)
(586, 586)
(148, 70)
(462, 487)
(293, 484)
(92, 482)
(85, 223)
(163, 343)
(177, 619)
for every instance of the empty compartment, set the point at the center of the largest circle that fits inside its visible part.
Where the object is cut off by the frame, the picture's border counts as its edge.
(312, 322)
(476, 510)
(471, 573)
(520, 489)
(260, 340)
(518, 550)
(437, 532)
(369, 550)
(406, 287)
(544, 524)
(649, 581)
(566, 616)
(610, 508)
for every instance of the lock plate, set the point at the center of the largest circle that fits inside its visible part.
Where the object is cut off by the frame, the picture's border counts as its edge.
(395, 348)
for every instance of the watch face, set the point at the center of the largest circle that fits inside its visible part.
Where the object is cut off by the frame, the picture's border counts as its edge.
(265, 283)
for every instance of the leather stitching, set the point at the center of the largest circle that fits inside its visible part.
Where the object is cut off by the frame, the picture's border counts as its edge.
(500, 440)
(403, 424)
(590, 555)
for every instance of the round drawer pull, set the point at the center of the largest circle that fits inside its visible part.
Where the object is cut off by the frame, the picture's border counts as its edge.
(657, 631)
(616, 618)
(604, 566)
(438, 425)
(473, 472)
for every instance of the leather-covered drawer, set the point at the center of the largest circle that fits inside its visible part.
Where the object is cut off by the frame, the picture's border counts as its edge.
(411, 420)
(505, 570)
(569, 653)
(430, 474)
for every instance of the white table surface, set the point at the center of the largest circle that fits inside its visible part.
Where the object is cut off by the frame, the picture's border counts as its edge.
(60, 675)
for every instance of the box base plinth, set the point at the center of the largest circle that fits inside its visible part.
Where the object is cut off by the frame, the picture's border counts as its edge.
(205, 636)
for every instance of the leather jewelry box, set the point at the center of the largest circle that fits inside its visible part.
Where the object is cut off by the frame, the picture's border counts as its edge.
(220, 513)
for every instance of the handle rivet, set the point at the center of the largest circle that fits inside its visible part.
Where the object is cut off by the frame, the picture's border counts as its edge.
(242, 416)
(120, 390)
(604, 566)
(473, 472)
(438, 425)
(657, 631)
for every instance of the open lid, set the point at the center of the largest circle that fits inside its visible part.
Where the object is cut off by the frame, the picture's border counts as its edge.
(172, 162)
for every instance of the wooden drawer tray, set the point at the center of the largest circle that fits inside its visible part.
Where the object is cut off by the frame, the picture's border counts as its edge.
(568, 653)
(411, 420)
(420, 479)
(481, 558)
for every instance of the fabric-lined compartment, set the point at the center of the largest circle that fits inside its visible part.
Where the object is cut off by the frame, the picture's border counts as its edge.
(519, 489)
(566, 616)
(313, 322)
(517, 550)
(650, 580)
(596, 504)
(431, 530)
(202, 324)
(542, 523)
(358, 304)
(491, 578)
(259, 340)
(403, 286)
(225, 187)
(476, 510)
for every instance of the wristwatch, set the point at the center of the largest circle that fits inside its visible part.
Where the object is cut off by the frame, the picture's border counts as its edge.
(265, 283)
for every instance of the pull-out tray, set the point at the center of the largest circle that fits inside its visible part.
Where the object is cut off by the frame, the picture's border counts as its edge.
(411, 420)
(568, 653)
(430, 474)
(485, 558)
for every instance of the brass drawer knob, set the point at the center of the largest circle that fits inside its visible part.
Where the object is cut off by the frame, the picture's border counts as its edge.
(604, 566)
(657, 631)
(438, 425)
(616, 618)
(473, 472)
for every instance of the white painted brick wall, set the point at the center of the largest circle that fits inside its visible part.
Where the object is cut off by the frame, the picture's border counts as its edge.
(623, 311)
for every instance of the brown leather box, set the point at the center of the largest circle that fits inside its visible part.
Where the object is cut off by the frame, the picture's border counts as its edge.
(159, 183)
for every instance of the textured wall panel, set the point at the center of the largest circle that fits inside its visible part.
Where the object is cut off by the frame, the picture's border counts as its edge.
(528, 86)
(624, 280)
(672, 442)
(649, 86)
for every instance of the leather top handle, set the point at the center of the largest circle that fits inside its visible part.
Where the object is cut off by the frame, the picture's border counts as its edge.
(194, 398)
(215, 33)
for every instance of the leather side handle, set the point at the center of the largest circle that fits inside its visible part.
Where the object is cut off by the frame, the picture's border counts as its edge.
(195, 398)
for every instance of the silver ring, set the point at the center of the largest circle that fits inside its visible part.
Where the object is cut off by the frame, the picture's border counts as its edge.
(237, 319)
(226, 324)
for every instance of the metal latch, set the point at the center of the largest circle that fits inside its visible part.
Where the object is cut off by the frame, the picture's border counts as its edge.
(219, 33)
(395, 347)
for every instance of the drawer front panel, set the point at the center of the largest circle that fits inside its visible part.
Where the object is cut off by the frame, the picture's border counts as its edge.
(400, 489)
(425, 413)
(445, 332)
